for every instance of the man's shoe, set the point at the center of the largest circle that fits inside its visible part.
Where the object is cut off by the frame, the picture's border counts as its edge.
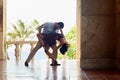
(55, 64)
(26, 64)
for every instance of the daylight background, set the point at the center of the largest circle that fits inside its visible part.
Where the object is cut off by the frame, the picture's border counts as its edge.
(42, 11)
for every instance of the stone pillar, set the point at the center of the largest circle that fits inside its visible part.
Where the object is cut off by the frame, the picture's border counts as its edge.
(98, 23)
(118, 32)
(1, 32)
(78, 30)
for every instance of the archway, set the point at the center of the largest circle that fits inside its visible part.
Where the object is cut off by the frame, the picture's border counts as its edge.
(77, 24)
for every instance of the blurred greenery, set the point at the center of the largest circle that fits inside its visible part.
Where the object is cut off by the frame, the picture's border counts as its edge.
(21, 31)
(71, 35)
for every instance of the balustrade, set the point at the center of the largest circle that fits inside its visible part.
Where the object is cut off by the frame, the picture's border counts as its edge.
(18, 48)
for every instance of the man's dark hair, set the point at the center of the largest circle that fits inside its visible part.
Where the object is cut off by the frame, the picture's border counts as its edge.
(61, 24)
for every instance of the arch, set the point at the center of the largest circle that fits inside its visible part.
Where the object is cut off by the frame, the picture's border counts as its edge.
(77, 26)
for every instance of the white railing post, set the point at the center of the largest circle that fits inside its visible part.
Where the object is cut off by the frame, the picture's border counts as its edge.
(18, 48)
(17, 54)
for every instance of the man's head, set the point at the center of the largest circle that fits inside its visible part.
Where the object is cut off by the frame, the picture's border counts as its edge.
(59, 25)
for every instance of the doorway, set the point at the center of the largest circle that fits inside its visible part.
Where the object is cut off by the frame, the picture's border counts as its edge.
(77, 20)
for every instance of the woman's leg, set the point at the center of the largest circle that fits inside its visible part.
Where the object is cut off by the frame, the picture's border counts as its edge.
(54, 48)
(49, 54)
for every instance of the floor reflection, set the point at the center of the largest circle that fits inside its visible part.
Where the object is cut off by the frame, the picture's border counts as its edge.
(40, 70)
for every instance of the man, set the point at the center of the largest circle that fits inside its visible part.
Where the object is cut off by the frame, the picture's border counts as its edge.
(47, 29)
(50, 42)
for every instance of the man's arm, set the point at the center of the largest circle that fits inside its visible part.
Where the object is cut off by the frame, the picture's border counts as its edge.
(61, 42)
(61, 32)
(59, 45)
(40, 28)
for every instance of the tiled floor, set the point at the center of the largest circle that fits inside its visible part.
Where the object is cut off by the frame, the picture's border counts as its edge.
(102, 74)
(41, 70)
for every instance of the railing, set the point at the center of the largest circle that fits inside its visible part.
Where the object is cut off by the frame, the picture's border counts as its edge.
(17, 46)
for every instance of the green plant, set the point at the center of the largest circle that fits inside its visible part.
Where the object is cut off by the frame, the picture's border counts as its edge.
(21, 32)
